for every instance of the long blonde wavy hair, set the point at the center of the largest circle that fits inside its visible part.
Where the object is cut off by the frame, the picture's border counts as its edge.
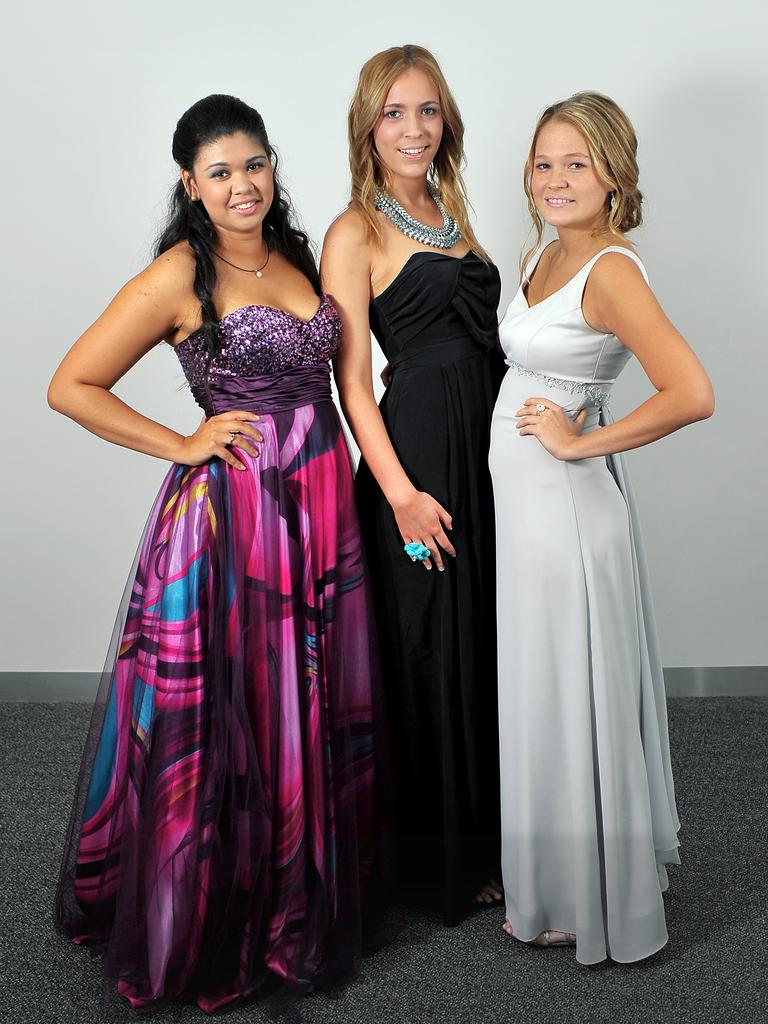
(374, 83)
(612, 146)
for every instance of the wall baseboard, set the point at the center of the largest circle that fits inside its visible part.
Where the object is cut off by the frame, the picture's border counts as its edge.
(717, 681)
(710, 681)
(48, 687)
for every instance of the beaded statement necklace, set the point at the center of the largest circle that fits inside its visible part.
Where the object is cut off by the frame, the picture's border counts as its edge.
(441, 238)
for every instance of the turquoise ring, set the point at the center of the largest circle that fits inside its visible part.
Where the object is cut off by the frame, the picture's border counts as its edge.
(417, 552)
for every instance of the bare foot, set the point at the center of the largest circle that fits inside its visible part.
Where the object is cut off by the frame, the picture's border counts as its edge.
(550, 938)
(491, 892)
(546, 938)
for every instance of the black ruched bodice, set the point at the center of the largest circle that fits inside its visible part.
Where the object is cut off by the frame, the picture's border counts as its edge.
(436, 299)
(437, 326)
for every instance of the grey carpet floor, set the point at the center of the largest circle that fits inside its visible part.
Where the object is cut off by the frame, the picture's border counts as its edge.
(715, 967)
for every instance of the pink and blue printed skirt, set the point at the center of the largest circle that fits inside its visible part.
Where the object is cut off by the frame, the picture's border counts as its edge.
(224, 839)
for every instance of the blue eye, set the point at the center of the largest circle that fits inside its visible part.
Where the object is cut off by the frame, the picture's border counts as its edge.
(542, 167)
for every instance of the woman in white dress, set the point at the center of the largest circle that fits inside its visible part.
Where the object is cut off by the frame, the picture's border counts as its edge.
(588, 808)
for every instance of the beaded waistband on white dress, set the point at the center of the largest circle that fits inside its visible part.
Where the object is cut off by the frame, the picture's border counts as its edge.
(597, 393)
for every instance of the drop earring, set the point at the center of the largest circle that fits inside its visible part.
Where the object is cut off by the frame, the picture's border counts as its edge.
(613, 200)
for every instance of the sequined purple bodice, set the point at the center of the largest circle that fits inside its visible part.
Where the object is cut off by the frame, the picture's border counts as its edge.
(269, 360)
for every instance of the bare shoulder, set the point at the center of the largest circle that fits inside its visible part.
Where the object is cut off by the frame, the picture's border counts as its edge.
(174, 269)
(618, 298)
(348, 230)
(616, 271)
(345, 265)
(165, 286)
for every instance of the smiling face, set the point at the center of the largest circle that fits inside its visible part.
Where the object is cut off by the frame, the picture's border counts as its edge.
(566, 187)
(232, 177)
(409, 129)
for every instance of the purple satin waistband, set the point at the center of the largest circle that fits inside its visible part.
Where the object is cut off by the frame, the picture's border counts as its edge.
(274, 392)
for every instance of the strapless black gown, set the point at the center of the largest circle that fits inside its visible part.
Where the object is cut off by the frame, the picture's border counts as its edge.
(437, 326)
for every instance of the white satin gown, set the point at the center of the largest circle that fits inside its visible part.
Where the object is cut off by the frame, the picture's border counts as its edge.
(588, 806)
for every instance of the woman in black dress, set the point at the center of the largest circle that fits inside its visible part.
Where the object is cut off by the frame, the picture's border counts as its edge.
(403, 261)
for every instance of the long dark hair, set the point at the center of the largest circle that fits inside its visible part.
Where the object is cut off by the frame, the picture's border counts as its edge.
(206, 121)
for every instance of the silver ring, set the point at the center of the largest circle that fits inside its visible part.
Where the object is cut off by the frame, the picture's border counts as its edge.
(540, 407)
(232, 437)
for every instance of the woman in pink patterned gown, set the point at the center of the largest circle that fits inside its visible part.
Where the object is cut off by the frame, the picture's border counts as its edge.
(224, 837)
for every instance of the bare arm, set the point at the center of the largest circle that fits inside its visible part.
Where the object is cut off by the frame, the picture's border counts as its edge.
(144, 311)
(618, 301)
(346, 275)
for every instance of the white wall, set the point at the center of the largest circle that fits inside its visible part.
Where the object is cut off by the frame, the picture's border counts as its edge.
(91, 93)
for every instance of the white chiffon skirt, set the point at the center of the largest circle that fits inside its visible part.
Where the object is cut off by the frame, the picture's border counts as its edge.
(588, 806)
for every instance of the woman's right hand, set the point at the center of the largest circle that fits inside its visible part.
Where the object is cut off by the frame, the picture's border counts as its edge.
(214, 437)
(422, 519)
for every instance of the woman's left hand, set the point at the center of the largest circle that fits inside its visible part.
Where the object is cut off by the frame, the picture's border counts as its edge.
(552, 426)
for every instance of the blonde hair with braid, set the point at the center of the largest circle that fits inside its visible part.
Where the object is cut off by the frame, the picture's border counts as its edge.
(376, 79)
